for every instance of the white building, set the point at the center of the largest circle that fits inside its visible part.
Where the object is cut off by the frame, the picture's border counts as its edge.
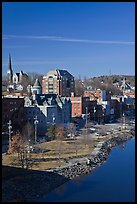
(49, 108)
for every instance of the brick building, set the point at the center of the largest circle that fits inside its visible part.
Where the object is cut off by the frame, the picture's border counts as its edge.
(79, 105)
(97, 94)
(59, 82)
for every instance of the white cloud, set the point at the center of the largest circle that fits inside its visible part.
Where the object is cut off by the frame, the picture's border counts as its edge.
(63, 39)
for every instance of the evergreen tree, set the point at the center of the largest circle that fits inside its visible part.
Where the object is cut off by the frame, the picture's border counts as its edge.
(51, 132)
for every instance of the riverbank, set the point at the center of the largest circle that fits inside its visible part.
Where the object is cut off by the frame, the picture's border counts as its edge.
(97, 157)
(27, 185)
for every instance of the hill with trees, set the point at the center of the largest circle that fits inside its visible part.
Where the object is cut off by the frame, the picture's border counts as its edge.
(103, 82)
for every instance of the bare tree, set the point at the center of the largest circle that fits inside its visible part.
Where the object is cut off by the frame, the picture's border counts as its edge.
(18, 145)
(60, 134)
(71, 129)
(85, 134)
(77, 145)
(28, 132)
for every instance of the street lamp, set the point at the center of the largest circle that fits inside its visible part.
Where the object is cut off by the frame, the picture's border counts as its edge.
(9, 127)
(94, 113)
(123, 121)
(53, 119)
(36, 123)
(103, 118)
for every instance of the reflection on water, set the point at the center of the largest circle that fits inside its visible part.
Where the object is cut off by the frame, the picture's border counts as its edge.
(112, 182)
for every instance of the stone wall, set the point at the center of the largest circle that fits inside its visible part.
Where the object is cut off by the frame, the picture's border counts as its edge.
(95, 159)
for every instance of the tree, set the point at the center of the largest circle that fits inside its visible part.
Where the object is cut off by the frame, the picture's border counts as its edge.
(79, 87)
(85, 136)
(19, 145)
(60, 134)
(51, 132)
(77, 145)
(28, 132)
(71, 129)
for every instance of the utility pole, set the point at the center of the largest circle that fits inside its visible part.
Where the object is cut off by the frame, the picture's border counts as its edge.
(86, 126)
(86, 117)
(36, 123)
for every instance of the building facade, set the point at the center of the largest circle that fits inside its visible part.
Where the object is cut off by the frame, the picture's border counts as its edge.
(59, 82)
(37, 88)
(49, 108)
(97, 94)
(79, 105)
(12, 109)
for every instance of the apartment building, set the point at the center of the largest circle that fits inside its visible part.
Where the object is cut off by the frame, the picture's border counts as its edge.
(59, 82)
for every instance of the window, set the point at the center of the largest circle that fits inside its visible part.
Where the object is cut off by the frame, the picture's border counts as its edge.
(50, 78)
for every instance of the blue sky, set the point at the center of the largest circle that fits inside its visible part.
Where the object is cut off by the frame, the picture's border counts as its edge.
(85, 38)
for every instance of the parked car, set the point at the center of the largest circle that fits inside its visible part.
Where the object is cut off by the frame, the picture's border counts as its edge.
(97, 134)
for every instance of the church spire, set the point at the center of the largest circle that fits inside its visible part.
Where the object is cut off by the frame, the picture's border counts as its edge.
(10, 72)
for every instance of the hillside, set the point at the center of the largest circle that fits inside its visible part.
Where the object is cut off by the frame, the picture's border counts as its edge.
(103, 82)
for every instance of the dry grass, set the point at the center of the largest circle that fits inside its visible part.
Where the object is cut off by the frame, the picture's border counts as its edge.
(50, 158)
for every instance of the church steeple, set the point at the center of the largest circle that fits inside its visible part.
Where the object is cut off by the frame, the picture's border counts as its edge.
(10, 72)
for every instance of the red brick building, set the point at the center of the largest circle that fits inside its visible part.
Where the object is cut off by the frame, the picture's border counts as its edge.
(97, 94)
(79, 105)
(59, 82)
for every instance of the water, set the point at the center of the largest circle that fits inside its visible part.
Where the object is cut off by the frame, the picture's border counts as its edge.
(114, 181)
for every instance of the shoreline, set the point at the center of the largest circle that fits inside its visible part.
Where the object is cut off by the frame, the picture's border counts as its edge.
(99, 155)
(35, 184)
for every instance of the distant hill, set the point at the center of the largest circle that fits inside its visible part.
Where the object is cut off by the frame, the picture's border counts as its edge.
(103, 82)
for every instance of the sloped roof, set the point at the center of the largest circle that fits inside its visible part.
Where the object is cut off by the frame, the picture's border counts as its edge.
(58, 73)
(37, 83)
(50, 99)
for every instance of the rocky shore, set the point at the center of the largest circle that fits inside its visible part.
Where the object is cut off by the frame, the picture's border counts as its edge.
(98, 156)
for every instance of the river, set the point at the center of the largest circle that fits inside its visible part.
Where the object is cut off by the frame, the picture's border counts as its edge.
(113, 181)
